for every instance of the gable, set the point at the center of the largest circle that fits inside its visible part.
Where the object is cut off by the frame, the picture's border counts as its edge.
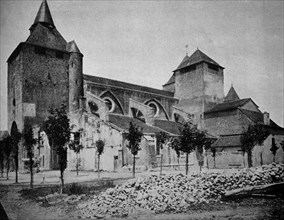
(250, 105)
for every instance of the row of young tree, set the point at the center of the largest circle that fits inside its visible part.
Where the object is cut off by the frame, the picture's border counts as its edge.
(58, 130)
(192, 139)
(189, 139)
(9, 151)
(256, 135)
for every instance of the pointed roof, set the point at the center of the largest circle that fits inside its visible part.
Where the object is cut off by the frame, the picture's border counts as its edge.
(197, 57)
(232, 95)
(224, 106)
(43, 15)
(171, 80)
(72, 47)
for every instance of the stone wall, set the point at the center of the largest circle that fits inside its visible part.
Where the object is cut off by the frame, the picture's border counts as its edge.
(263, 155)
(124, 94)
(45, 80)
(199, 89)
(15, 91)
(229, 122)
(227, 158)
(95, 129)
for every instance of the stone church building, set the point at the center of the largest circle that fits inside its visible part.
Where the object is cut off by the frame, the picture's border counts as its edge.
(45, 71)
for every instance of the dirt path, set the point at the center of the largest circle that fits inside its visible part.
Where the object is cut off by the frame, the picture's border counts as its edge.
(18, 208)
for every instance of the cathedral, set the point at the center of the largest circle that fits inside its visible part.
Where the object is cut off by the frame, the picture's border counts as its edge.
(46, 71)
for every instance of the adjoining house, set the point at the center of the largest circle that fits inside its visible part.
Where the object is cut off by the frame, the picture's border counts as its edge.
(229, 120)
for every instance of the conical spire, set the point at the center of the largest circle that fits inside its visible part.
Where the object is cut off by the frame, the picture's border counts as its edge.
(232, 95)
(72, 47)
(43, 15)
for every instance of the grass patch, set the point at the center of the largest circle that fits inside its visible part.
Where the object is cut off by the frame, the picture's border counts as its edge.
(91, 188)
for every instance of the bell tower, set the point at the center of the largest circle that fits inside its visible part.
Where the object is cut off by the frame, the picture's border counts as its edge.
(198, 84)
(43, 72)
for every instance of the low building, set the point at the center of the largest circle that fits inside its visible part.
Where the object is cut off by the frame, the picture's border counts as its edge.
(229, 120)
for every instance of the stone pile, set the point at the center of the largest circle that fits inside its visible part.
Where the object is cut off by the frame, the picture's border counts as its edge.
(175, 192)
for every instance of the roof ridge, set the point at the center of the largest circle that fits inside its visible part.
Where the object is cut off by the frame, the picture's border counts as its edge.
(196, 57)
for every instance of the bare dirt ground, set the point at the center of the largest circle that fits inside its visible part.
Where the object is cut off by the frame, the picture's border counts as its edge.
(18, 207)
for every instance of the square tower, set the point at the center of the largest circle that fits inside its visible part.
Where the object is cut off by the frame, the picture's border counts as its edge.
(198, 84)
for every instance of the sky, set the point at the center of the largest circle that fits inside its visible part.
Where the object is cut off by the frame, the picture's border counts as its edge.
(142, 42)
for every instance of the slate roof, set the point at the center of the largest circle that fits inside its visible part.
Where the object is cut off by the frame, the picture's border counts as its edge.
(171, 80)
(227, 105)
(232, 95)
(124, 85)
(123, 121)
(257, 117)
(197, 57)
(169, 126)
(72, 47)
(43, 15)
(228, 141)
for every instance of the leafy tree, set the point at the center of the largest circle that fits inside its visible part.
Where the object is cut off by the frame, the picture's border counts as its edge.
(29, 142)
(186, 141)
(161, 137)
(7, 152)
(190, 139)
(15, 140)
(100, 149)
(254, 135)
(134, 137)
(273, 148)
(201, 142)
(58, 130)
(76, 147)
(175, 145)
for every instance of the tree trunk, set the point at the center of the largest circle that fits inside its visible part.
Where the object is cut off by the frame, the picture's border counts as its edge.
(249, 159)
(98, 166)
(178, 163)
(2, 169)
(62, 180)
(8, 168)
(77, 165)
(214, 161)
(161, 164)
(274, 158)
(207, 162)
(186, 164)
(244, 160)
(133, 170)
(31, 170)
(16, 169)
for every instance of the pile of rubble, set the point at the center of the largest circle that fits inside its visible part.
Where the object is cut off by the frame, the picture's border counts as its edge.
(176, 192)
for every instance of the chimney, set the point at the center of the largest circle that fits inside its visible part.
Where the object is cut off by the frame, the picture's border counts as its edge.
(266, 118)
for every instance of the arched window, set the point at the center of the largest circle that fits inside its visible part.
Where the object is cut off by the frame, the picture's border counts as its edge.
(154, 107)
(112, 102)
